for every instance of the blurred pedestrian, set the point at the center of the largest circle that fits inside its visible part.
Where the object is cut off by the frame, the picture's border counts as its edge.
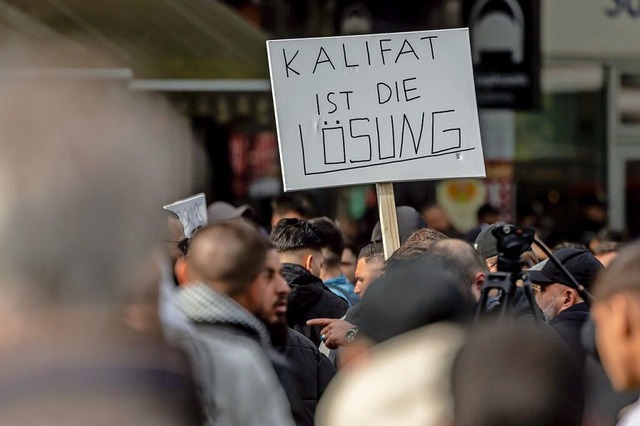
(348, 261)
(83, 173)
(437, 219)
(409, 220)
(330, 272)
(486, 215)
(296, 206)
(516, 374)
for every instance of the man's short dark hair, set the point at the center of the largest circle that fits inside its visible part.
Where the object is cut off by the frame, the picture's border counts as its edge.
(569, 244)
(296, 202)
(333, 240)
(487, 210)
(459, 252)
(416, 245)
(238, 257)
(605, 247)
(372, 252)
(295, 234)
(352, 246)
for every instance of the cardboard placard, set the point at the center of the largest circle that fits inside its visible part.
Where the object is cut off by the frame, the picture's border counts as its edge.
(192, 212)
(375, 108)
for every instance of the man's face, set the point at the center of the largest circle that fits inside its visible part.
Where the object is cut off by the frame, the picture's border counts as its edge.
(492, 263)
(437, 219)
(549, 298)
(366, 273)
(271, 290)
(348, 265)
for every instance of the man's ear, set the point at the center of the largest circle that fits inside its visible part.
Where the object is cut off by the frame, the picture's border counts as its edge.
(478, 281)
(181, 270)
(307, 261)
(569, 297)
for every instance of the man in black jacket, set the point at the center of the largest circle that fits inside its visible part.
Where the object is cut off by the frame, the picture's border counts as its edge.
(300, 248)
(561, 304)
(568, 315)
(310, 370)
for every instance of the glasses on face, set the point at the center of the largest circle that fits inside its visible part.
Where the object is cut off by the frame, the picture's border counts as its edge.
(183, 245)
(537, 288)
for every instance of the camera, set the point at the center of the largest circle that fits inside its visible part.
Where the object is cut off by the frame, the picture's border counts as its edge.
(512, 241)
(501, 292)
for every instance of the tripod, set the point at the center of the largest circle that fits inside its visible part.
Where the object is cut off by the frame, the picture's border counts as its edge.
(512, 241)
(506, 285)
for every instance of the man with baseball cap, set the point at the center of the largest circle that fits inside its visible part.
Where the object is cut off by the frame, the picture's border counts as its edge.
(561, 304)
(568, 315)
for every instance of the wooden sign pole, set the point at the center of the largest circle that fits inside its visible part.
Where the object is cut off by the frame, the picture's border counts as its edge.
(388, 218)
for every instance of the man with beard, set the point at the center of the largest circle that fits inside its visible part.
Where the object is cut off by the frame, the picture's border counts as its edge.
(300, 248)
(236, 278)
(309, 369)
(569, 316)
(562, 306)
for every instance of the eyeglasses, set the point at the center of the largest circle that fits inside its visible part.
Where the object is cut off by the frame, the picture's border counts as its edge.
(536, 288)
(183, 245)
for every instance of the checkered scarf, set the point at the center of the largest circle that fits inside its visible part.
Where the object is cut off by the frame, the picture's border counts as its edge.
(202, 304)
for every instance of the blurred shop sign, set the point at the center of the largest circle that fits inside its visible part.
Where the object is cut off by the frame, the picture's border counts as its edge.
(498, 142)
(461, 198)
(498, 130)
(594, 29)
(505, 45)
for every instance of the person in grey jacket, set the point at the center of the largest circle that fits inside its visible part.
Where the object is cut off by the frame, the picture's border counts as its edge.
(235, 277)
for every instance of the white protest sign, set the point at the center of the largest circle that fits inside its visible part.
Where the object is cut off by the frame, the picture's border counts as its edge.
(375, 108)
(192, 212)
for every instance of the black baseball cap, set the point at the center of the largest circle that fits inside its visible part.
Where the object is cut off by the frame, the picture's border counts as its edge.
(580, 263)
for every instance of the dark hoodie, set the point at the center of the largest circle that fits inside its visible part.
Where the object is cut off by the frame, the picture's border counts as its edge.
(309, 298)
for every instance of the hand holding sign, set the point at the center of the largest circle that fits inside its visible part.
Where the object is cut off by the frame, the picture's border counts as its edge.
(376, 108)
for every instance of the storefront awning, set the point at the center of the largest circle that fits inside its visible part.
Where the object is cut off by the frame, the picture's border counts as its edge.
(156, 39)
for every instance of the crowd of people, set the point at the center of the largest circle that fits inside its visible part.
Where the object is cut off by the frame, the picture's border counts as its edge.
(111, 315)
(435, 334)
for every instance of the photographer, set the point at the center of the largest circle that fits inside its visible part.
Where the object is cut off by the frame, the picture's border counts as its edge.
(506, 249)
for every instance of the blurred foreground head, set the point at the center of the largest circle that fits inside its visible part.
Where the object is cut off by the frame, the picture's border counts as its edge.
(616, 313)
(412, 295)
(516, 374)
(84, 171)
